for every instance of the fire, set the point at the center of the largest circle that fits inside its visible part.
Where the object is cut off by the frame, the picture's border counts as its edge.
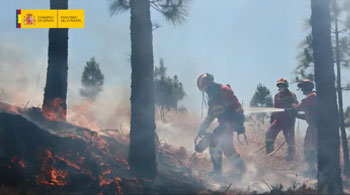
(50, 175)
(56, 175)
(69, 163)
(54, 112)
(118, 182)
(9, 108)
(104, 181)
(83, 116)
(21, 163)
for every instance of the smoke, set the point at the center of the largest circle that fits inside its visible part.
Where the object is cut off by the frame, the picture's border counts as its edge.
(21, 79)
(111, 110)
(179, 128)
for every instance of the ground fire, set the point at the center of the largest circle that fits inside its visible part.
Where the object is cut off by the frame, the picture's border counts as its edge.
(53, 156)
(242, 97)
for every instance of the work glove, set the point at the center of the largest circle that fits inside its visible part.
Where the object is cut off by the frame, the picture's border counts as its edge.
(240, 123)
(240, 129)
(272, 119)
(291, 111)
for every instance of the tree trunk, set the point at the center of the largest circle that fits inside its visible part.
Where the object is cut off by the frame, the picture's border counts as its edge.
(142, 152)
(55, 94)
(329, 180)
(346, 170)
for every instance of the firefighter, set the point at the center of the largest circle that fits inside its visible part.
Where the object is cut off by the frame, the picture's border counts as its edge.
(223, 105)
(282, 120)
(309, 106)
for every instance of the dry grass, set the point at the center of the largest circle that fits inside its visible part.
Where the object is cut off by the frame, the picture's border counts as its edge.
(263, 172)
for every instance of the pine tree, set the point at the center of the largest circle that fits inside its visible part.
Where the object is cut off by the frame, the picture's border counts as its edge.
(92, 80)
(340, 18)
(168, 90)
(329, 180)
(142, 151)
(55, 92)
(261, 98)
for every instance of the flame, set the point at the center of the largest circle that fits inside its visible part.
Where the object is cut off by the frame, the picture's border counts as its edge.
(56, 175)
(69, 163)
(54, 112)
(104, 181)
(82, 115)
(118, 182)
(21, 163)
(9, 108)
(50, 175)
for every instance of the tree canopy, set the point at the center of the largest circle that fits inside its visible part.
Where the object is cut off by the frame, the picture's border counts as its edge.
(92, 80)
(168, 90)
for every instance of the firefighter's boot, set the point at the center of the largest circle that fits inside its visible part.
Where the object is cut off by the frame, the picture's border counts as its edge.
(237, 164)
(269, 146)
(216, 158)
(291, 153)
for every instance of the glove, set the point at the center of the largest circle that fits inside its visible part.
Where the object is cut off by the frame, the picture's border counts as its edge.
(272, 119)
(291, 111)
(240, 129)
(240, 123)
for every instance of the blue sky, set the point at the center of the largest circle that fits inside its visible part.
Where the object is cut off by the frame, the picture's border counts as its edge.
(241, 42)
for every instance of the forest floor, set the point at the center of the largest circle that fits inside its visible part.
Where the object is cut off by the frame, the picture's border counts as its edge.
(44, 156)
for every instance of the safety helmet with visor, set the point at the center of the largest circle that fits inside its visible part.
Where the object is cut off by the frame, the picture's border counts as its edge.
(306, 85)
(282, 82)
(204, 80)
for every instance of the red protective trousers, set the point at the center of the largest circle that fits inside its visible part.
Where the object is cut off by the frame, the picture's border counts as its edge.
(285, 124)
(282, 121)
(309, 105)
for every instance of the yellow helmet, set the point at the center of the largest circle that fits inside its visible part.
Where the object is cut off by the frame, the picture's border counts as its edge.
(204, 80)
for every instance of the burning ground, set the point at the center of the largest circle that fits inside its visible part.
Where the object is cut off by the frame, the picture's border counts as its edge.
(48, 156)
(39, 155)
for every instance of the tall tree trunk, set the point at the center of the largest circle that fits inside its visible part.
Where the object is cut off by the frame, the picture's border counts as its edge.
(346, 170)
(55, 94)
(142, 152)
(329, 180)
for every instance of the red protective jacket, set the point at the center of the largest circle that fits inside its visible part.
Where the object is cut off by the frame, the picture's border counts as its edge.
(309, 105)
(225, 105)
(284, 99)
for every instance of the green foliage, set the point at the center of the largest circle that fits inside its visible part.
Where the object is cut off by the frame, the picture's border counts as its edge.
(174, 11)
(168, 90)
(91, 80)
(305, 66)
(118, 6)
(262, 97)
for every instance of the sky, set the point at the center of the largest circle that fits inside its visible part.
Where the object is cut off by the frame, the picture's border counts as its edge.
(240, 42)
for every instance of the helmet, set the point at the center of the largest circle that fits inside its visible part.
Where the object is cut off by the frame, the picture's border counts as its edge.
(203, 81)
(282, 82)
(306, 84)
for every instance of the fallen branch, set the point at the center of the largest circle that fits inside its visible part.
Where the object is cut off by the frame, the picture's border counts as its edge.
(279, 147)
(228, 187)
(25, 107)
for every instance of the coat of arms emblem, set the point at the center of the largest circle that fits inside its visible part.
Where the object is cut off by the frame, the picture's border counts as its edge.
(29, 19)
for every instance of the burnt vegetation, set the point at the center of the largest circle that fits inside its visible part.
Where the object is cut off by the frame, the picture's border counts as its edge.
(41, 152)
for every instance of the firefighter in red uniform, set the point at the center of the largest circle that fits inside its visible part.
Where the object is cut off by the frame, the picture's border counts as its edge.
(282, 120)
(309, 106)
(223, 105)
